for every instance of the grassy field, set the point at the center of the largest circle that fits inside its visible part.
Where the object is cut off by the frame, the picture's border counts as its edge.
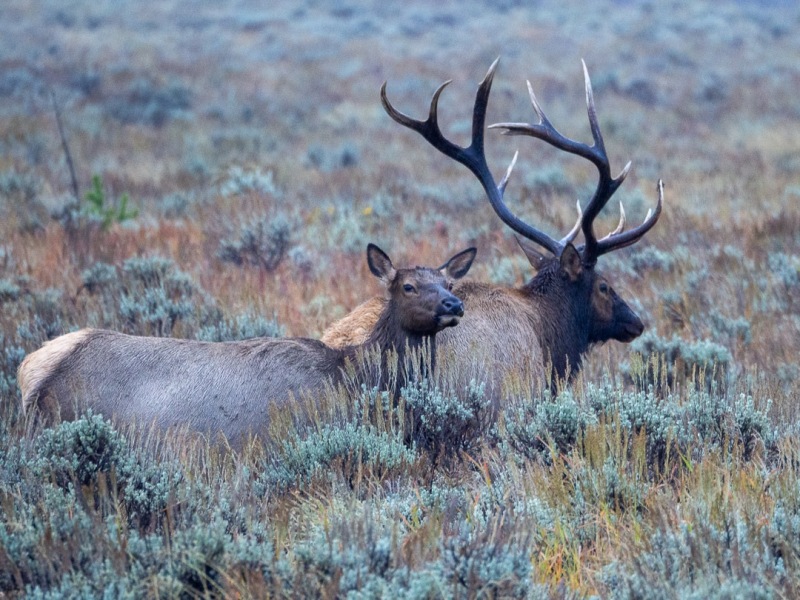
(232, 162)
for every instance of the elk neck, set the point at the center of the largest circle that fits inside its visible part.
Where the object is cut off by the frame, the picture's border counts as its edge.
(564, 311)
(388, 335)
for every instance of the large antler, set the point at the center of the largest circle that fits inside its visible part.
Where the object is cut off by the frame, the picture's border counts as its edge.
(474, 158)
(606, 186)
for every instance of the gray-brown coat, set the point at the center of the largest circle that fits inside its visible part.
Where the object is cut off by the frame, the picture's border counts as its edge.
(228, 387)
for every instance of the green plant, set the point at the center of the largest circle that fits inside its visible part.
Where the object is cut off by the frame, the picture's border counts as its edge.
(665, 362)
(98, 206)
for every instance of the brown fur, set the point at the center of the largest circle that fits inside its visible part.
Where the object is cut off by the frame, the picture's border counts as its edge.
(489, 309)
(355, 327)
(515, 333)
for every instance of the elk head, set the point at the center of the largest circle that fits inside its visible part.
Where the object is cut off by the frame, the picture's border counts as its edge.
(567, 270)
(420, 299)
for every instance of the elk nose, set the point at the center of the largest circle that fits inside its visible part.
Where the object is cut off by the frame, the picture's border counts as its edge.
(453, 306)
(632, 327)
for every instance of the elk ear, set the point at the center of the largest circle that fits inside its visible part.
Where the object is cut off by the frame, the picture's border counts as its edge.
(457, 267)
(571, 264)
(536, 258)
(380, 264)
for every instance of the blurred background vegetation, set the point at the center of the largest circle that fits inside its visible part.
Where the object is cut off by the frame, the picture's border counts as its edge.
(232, 161)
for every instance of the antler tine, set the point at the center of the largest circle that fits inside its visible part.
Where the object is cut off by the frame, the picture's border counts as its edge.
(592, 111)
(504, 181)
(620, 226)
(473, 156)
(573, 233)
(570, 237)
(615, 240)
(429, 129)
(545, 131)
(607, 185)
(596, 154)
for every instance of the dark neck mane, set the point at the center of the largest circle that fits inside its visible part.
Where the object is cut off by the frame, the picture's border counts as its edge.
(564, 322)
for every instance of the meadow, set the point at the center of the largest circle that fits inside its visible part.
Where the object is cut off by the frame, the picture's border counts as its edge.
(232, 161)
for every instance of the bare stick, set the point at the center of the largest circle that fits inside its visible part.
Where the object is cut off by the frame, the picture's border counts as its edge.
(65, 146)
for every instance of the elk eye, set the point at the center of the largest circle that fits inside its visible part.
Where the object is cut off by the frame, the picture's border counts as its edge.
(408, 288)
(603, 288)
(450, 286)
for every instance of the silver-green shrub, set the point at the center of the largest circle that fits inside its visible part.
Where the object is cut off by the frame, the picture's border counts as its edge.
(444, 423)
(672, 361)
(701, 560)
(350, 444)
(78, 452)
(240, 327)
(534, 429)
(490, 562)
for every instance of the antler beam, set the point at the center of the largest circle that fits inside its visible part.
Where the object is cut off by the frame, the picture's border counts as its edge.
(473, 157)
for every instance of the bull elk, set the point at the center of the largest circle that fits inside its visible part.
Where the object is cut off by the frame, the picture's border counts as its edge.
(229, 387)
(542, 329)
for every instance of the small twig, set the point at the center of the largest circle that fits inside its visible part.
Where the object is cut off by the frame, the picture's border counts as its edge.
(65, 145)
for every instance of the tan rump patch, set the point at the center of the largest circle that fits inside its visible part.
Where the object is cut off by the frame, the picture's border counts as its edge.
(38, 365)
(354, 328)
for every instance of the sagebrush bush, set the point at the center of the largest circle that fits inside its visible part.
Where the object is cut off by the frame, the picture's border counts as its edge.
(675, 361)
(699, 561)
(146, 296)
(262, 243)
(445, 423)
(11, 356)
(80, 451)
(650, 258)
(487, 561)
(638, 412)
(46, 538)
(734, 329)
(154, 310)
(537, 428)
(345, 449)
(41, 316)
(146, 102)
(240, 181)
(99, 276)
(241, 327)
(9, 290)
(80, 491)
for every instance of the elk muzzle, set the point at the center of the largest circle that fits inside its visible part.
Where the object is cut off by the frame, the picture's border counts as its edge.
(629, 325)
(449, 311)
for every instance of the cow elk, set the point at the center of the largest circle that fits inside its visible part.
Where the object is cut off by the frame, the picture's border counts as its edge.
(230, 387)
(536, 333)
